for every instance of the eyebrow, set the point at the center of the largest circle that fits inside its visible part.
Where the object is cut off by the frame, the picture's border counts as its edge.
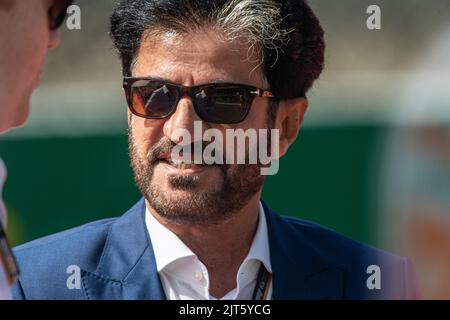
(162, 79)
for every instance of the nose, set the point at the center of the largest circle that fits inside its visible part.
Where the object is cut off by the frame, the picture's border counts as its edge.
(182, 122)
(53, 39)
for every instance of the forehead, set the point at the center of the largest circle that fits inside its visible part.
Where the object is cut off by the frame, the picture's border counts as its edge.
(198, 57)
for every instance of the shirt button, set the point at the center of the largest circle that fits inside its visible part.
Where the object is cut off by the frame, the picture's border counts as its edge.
(198, 276)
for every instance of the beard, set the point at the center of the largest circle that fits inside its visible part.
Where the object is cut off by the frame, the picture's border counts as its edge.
(211, 205)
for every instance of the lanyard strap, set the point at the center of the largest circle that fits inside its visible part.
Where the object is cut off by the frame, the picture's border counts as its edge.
(262, 284)
(7, 260)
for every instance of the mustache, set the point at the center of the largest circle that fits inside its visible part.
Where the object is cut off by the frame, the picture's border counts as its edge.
(165, 146)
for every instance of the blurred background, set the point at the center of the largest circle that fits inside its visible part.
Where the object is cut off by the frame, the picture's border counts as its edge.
(372, 160)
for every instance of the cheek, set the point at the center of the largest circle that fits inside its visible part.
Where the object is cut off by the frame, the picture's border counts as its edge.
(146, 133)
(28, 51)
(34, 37)
(36, 56)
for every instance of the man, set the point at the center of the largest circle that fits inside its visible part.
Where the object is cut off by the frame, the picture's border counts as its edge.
(201, 231)
(28, 28)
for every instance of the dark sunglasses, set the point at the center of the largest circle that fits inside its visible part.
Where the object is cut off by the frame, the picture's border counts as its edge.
(7, 260)
(222, 103)
(57, 13)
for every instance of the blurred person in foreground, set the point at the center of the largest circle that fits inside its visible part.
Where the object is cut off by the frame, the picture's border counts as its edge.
(415, 172)
(28, 29)
(201, 230)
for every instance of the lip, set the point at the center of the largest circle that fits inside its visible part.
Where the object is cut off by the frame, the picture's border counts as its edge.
(190, 170)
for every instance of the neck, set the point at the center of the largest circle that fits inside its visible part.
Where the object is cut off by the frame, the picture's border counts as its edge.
(221, 248)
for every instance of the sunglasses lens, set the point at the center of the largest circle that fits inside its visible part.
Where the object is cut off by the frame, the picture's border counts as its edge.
(58, 13)
(222, 104)
(153, 99)
(225, 105)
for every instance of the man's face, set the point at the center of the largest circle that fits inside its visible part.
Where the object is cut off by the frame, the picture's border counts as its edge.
(25, 38)
(197, 194)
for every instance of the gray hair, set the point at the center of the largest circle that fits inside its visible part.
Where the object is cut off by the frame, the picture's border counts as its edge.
(255, 23)
(285, 35)
(259, 20)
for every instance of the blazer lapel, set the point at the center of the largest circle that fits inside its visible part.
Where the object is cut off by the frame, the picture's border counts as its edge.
(299, 271)
(127, 267)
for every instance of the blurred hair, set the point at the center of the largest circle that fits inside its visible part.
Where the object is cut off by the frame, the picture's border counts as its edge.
(286, 33)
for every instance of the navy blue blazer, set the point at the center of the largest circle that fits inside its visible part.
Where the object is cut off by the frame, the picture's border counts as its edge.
(115, 260)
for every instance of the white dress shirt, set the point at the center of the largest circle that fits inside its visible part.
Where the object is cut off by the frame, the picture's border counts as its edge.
(4, 288)
(185, 277)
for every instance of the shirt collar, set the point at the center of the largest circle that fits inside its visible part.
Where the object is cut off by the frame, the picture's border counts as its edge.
(168, 248)
(260, 246)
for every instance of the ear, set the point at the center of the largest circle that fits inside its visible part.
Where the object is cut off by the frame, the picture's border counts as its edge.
(289, 120)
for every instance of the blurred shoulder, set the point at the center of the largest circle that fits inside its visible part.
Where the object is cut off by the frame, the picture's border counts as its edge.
(358, 262)
(336, 246)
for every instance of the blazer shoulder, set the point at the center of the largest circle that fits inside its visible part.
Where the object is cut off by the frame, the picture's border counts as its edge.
(48, 265)
(49, 260)
(70, 238)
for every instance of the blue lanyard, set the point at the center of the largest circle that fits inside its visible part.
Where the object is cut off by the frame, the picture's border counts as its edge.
(262, 284)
